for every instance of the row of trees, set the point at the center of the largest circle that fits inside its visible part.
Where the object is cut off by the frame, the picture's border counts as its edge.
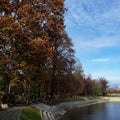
(113, 91)
(36, 54)
(87, 86)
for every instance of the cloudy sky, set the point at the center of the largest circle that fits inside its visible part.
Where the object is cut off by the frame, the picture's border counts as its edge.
(94, 27)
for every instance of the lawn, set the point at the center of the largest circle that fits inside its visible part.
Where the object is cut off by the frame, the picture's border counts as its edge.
(74, 99)
(94, 97)
(30, 113)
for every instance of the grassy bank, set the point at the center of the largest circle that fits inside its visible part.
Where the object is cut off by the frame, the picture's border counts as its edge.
(30, 113)
(73, 99)
(94, 97)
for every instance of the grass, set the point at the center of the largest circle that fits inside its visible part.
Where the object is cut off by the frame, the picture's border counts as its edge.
(30, 113)
(73, 99)
(95, 97)
(115, 95)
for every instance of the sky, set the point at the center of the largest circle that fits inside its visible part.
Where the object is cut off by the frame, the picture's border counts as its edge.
(94, 27)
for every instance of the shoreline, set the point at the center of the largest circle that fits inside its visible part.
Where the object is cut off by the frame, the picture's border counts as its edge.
(104, 100)
(61, 113)
(56, 112)
(113, 99)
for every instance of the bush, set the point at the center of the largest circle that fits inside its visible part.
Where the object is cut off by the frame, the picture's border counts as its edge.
(8, 99)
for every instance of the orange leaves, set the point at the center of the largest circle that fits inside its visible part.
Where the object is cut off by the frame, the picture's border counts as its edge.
(40, 51)
(22, 64)
(8, 27)
(4, 5)
(26, 13)
(39, 42)
(25, 10)
(6, 21)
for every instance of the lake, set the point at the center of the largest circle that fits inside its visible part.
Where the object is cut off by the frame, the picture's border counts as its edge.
(102, 111)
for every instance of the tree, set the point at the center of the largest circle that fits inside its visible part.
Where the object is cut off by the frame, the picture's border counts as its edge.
(79, 80)
(62, 56)
(97, 91)
(89, 83)
(24, 46)
(104, 85)
(35, 50)
(62, 65)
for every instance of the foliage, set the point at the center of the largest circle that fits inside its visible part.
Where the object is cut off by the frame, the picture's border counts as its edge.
(36, 54)
(87, 86)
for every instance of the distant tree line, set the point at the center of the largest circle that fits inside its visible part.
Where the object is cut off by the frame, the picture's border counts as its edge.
(36, 54)
(113, 91)
(87, 86)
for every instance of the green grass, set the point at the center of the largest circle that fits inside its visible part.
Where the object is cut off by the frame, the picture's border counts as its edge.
(30, 113)
(73, 99)
(115, 95)
(93, 98)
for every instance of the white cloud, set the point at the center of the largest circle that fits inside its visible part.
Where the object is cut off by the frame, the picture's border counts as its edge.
(102, 15)
(98, 18)
(98, 43)
(101, 60)
(111, 60)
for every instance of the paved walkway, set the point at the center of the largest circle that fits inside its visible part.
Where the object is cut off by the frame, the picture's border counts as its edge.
(47, 111)
(113, 99)
(11, 113)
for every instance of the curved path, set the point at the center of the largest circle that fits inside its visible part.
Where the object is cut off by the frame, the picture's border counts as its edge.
(113, 99)
(11, 113)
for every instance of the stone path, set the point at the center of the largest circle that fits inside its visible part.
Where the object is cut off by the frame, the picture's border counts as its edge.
(47, 112)
(11, 113)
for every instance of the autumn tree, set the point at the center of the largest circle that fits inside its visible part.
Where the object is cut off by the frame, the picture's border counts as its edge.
(104, 85)
(6, 51)
(36, 52)
(62, 56)
(88, 86)
(24, 47)
(79, 78)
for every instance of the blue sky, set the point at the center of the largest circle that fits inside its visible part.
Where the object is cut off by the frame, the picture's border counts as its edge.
(94, 27)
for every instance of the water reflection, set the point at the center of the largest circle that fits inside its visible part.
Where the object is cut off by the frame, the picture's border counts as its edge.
(104, 111)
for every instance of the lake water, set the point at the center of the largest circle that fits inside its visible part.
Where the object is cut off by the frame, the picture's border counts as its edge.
(103, 111)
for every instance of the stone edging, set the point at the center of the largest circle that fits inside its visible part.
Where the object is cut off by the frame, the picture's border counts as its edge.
(61, 113)
(56, 112)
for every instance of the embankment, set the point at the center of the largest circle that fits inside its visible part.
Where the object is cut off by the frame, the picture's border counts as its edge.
(57, 111)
